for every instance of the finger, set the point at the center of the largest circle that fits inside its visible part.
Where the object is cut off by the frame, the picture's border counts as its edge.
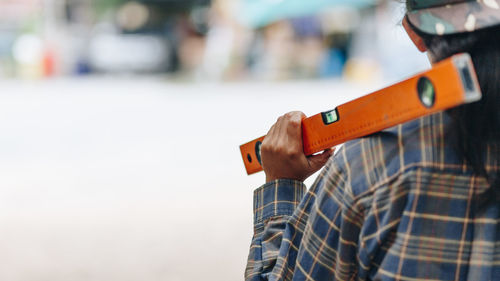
(267, 144)
(317, 162)
(268, 138)
(279, 141)
(295, 123)
(273, 132)
(294, 129)
(278, 131)
(331, 150)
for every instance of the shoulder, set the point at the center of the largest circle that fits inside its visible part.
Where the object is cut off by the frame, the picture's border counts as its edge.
(375, 160)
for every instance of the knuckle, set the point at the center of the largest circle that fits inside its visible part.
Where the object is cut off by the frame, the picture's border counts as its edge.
(270, 148)
(265, 147)
(292, 153)
(295, 123)
(295, 118)
(298, 114)
(278, 150)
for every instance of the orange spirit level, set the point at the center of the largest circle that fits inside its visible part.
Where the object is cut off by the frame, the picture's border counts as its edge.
(449, 83)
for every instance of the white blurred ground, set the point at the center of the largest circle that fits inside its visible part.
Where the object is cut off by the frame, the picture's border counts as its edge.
(124, 179)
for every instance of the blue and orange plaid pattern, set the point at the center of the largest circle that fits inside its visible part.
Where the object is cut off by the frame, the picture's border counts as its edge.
(398, 205)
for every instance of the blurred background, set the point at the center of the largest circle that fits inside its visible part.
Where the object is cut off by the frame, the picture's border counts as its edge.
(120, 123)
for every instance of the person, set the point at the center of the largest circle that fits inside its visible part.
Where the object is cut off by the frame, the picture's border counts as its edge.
(419, 201)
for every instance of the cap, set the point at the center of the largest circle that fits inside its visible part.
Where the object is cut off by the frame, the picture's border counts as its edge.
(441, 17)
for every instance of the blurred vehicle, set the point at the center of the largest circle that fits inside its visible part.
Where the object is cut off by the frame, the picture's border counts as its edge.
(142, 36)
(118, 53)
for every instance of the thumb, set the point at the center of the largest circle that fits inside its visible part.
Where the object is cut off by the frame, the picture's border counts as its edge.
(317, 162)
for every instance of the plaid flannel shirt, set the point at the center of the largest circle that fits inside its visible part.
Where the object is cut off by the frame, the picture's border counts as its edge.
(397, 205)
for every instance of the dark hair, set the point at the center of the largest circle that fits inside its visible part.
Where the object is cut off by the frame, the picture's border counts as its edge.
(475, 126)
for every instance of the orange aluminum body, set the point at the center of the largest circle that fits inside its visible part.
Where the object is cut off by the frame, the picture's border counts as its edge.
(380, 110)
(248, 152)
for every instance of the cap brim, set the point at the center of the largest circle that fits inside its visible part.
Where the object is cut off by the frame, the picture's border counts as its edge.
(457, 18)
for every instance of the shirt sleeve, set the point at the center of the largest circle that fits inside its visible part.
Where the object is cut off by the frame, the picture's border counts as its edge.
(274, 203)
(313, 235)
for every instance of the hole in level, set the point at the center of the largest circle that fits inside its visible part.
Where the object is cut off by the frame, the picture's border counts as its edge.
(249, 157)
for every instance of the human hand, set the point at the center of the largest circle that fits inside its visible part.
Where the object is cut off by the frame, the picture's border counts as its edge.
(282, 151)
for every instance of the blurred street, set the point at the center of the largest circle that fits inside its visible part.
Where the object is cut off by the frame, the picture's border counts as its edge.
(121, 120)
(118, 179)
